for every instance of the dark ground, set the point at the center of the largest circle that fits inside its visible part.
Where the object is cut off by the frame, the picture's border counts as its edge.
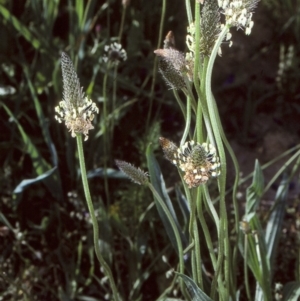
(261, 118)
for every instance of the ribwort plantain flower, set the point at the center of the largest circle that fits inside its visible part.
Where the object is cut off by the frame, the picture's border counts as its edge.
(114, 54)
(171, 66)
(137, 175)
(199, 162)
(76, 110)
(210, 27)
(174, 67)
(238, 13)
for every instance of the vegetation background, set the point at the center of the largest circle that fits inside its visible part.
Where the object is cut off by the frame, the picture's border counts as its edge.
(45, 233)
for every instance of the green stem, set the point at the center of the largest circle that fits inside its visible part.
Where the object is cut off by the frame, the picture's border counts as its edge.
(206, 232)
(114, 102)
(234, 198)
(154, 73)
(173, 225)
(101, 260)
(246, 268)
(281, 170)
(86, 13)
(224, 248)
(181, 105)
(122, 23)
(197, 62)
(187, 121)
(211, 208)
(189, 11)
(197, 255)
(192, 222)
(198, 135)
(105, 136)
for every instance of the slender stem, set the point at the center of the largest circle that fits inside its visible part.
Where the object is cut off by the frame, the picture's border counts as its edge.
(234, 198)
(202, 105)
(198, 255)
(154, 73)
(189, 11)
(192, 210)
(193, 263)
(216, 264)
(206, 232)
(181, 105)
(281, 170)
(114, 102)
(211, 208)
(173, 225)
(86, 12)
(246, 268)
(189, 93)
(187, 122)
(224, 248)
(176, 233)
(197, 63)
(105, 136)
(192, 206)
(197, 75)
(122, 23)
(101, 260)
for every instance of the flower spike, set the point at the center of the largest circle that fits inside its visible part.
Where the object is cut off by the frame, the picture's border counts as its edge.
(76, 110)
(199, 162)
(239, 13)
(137, 175)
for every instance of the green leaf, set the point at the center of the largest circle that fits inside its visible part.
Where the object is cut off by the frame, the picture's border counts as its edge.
(268, 249)
(183, 205)
(254, 192)
(40, 114)
(79, 11)
(28, 182)
(19, 27)
(158, 182)
(291, 291)
(41, 166)
(195, 292)
(275, 222)
(256, 258)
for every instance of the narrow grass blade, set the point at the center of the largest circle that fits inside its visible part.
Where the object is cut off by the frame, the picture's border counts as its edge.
(79, 8)
(254, 192)
(40, 165)
(105, 235)
(195, 292)
(275, 222)
(291, 291)
(256, 258)
(42, 120)
(5, 221)
(263, 287)
(19, 27)
(20, 188)
(159, 185)
(183, 205)
(51, 11)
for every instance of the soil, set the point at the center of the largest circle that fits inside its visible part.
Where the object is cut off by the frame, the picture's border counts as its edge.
(260, 120)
